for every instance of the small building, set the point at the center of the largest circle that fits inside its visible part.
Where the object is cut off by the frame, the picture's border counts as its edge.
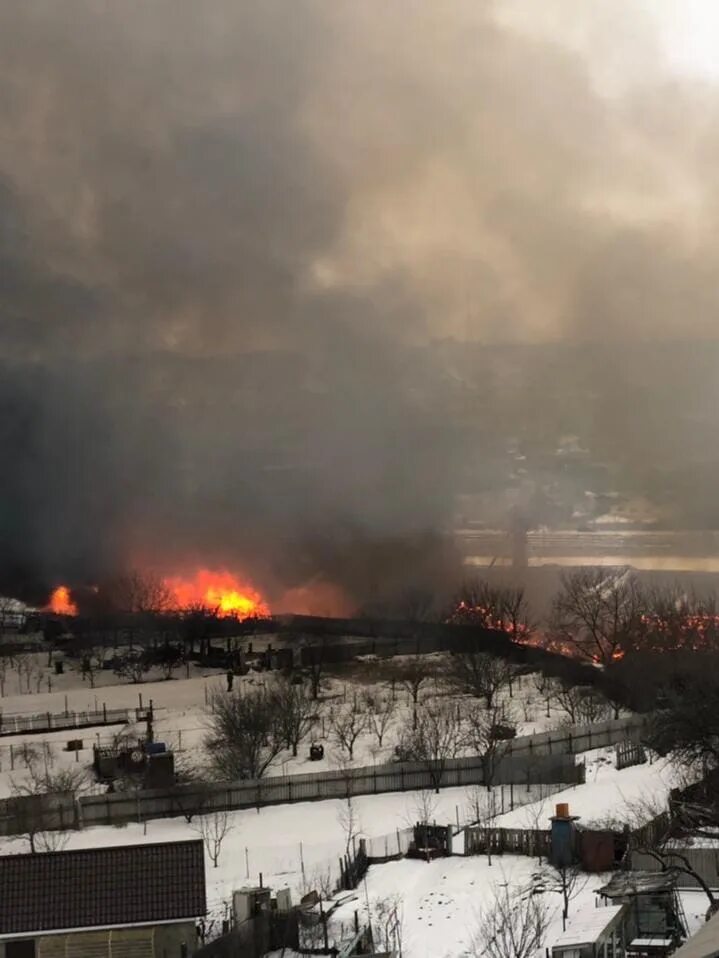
(132, 901)
(655, 918)
(593, 933)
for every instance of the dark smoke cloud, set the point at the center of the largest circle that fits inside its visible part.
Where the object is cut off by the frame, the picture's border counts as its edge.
(231, 235)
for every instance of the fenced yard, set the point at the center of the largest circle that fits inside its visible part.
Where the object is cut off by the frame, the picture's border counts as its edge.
(543, 759)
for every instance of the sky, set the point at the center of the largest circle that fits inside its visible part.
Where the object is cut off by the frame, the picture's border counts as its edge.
(231, 233)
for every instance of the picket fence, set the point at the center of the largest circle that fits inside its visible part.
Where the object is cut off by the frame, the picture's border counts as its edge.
(55, 722)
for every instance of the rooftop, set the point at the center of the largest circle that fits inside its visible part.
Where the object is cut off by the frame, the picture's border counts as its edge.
(102, 887)
(587, 925)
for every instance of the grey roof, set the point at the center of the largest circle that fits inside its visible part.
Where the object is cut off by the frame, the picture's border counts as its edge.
(624, 884)
(101, 887)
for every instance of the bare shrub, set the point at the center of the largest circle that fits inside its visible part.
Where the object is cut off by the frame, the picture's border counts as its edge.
(214, 828)
(512, 926)
(245, 735)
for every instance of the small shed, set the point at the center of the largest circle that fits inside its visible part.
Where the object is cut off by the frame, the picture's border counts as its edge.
(655, 910)
(593, 933)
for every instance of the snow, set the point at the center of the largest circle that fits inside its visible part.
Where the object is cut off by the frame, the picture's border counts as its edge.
(634, 795)
(442, 901)
(298, 846)
(587, 925)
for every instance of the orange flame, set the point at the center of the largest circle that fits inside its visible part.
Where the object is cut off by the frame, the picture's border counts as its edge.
(61, 602)
(217, 590)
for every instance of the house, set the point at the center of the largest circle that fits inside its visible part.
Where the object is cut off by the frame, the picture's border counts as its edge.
(132, 901)
(593, 933)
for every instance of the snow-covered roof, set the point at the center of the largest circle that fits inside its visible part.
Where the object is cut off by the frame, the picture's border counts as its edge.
(588, 925)
(705, 944)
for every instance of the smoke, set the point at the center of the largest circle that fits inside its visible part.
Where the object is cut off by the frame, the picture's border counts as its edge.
(233, 235)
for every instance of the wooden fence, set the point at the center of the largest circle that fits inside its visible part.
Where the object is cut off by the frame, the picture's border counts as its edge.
(533, 842)
(369, 780)
(579, 738)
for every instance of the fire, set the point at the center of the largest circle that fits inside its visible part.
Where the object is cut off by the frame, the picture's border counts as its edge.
(61, 603)
(217, 590)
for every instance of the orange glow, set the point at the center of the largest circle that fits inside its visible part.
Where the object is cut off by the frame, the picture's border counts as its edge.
(217, 590)
(61, 603)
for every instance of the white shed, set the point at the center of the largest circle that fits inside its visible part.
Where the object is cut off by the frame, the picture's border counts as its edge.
(593, 933)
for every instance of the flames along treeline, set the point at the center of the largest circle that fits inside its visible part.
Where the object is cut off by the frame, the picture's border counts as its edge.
(220, 591)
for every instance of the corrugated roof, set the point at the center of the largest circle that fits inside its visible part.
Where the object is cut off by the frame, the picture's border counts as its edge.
(705, 944)
(587, 924)
(99, 887)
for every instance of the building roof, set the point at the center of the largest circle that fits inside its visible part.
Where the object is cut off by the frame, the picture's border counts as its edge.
(588, 924)
(626, 884)
(101, 887)
(705, 944)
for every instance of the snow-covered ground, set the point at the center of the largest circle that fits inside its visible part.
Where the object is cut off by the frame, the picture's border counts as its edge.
(608, 796)
(181, 709)
(440, 902)
(298, 845)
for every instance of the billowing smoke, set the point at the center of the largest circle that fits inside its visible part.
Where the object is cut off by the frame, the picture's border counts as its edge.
(254, 256)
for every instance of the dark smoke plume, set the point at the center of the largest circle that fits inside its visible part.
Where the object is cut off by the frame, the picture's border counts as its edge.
(244, 248)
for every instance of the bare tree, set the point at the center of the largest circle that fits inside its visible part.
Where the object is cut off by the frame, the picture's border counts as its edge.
(480, 674)
(214, 828)
(33, 807)
(504, 608)
(296, 712)
(244, 733)
(489, 734)
(348, 819)
(581, 705)
(567, 880)
(414, 672)
(512, 926)
(598, 613)
(347, 724)
(422, 809)
(386, 922)
(139, 593)
(481, 810)
(92, 662)
(380, 711)
(435, 739)
(133, 666)
(677, 619)
(316, 661)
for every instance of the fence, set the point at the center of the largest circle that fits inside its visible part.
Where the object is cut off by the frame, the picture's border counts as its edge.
(543, 759)
(579, 738)
(49, 722)
(110, 809)
(533, 842)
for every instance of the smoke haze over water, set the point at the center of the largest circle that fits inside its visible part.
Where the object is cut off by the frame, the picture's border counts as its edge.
(243, 246)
